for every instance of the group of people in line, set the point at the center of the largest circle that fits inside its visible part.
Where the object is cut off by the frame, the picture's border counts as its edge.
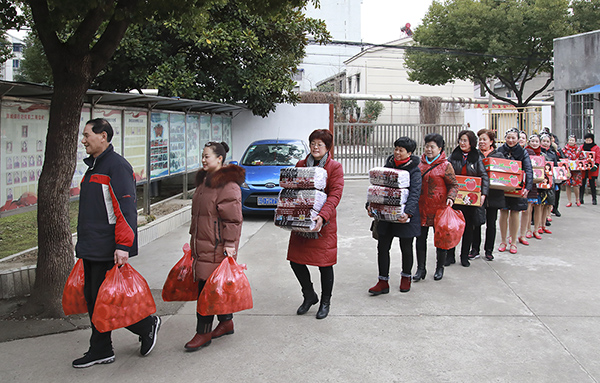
(523, 215)
(107, 224)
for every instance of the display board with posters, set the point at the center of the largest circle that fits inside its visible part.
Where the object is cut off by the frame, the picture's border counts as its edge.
(134, 142)
(177, 139)
(193, 141)
(205, 129)
(159, 145)
(23, 139)
(114, 118)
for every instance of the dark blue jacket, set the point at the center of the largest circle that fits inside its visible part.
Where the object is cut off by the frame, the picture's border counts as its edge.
(107, 208)
(412, 228)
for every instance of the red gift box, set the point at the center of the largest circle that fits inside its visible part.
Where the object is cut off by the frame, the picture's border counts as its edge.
(578, 165)
(505, 181)
(548, 174)
(587, 156)
(469, 191)
(502, 165)
(538, 175)
(537, 162)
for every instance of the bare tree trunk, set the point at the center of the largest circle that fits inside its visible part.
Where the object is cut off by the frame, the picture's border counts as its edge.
(55, 246)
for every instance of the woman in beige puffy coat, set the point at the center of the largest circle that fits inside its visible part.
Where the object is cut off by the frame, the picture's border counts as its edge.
(215, 229)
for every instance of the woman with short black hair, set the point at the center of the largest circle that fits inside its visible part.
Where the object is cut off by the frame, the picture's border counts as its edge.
(408, 226)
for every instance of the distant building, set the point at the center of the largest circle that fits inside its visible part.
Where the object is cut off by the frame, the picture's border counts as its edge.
(322, 61)
(576, 63)
(10, 68)
(381, 71)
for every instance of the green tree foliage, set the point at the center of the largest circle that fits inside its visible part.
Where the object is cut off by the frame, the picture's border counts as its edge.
(586, 15)
(34, 65)
(9, 19)
(222, 53)
(79, 38)
(509, 40)
(371, 111)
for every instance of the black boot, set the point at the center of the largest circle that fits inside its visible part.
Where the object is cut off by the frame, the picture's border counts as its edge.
(324, 307)
(450, 257)
(310, 298)
(593, 191)
(439, 267)
(464, 260)
(421, 271)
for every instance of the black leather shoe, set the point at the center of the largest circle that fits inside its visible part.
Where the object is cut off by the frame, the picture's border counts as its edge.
(323, 310)
(308, 302)
(594, 202)
(419, 274)
(439, 274)
(450, 261)
(557, 213)
(465, 262)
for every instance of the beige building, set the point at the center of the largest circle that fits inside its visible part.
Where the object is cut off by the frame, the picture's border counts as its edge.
(381, 71)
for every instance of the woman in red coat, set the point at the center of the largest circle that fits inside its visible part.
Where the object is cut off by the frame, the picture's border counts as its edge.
(215, 228)
(438, 190)
(318, 249)
(591, 174)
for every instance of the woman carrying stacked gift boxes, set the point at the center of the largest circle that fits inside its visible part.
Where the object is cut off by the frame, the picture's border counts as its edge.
(407, 225)
(514, 203)
(572, 151)
(465, 161)
(534, 207)
(548, 196)
(320, 251)
(493, 202)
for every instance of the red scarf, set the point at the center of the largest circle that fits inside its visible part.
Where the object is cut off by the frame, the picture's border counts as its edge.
(538, 151)
(401, 162)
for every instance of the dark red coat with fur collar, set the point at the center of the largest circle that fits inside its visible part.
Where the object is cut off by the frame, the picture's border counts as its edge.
(216, 217)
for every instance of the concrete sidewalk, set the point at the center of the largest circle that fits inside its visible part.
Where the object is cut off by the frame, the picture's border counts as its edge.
(529, 317)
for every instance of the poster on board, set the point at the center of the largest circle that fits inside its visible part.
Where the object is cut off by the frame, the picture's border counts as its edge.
(226, 134)
(193, 141)
(113, 116)
(80, 166)
(216, 128)
(204, 129)
(177, 143)
(23, 140)
(159, 145)
(134, 136)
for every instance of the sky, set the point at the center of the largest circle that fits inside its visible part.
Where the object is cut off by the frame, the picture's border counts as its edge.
(381, 20)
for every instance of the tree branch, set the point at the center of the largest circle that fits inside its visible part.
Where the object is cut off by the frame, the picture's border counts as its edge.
(53, 48)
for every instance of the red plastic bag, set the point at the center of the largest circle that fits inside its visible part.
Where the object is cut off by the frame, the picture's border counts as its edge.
(123, 299)
(449, 225)
(73, 300)
(226, 291)
(180, 284)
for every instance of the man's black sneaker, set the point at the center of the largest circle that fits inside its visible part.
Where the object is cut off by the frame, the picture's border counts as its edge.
(149, 340)
(89, 359)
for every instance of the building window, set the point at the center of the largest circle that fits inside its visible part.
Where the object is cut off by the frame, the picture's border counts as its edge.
(349, 84)
(17, 47)
(580, 114)
(341, 85)
(16, 64)
(358, 83)
(298, 75)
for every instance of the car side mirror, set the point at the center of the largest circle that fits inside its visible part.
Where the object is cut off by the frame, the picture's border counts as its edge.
(233, 162)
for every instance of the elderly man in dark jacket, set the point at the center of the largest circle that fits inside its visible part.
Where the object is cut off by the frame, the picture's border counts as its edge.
(107, 233)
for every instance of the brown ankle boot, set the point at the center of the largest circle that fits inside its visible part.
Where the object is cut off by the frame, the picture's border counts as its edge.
(198, 341)
(405, 283)
(382, 287)
(223, 328)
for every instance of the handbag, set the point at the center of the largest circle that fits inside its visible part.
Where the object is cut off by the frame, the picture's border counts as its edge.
(374, 226)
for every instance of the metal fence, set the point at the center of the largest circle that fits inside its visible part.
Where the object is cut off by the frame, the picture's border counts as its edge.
(360, 147)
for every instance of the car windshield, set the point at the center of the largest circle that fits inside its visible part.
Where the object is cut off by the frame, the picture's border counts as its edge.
(274, 155)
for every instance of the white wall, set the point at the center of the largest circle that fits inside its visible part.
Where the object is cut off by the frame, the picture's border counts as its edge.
(475, 119)
(288, 121)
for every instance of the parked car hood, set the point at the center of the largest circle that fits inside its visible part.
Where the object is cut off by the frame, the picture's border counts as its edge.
(262, 174)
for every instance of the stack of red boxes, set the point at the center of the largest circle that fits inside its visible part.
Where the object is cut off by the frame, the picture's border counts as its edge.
(504, 174)
(469, 191)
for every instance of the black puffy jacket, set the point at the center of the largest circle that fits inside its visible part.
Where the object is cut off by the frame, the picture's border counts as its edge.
(474, 166)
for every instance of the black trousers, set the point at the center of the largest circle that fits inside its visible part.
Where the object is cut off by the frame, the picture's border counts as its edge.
(491, 216)
(204, 322)
(384, 244)
(592, 181)
(467, 238)
(303, 276)
(422, 248)
(101, 342)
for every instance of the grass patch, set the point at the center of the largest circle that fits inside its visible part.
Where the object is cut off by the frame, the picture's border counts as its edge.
(19, 232)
